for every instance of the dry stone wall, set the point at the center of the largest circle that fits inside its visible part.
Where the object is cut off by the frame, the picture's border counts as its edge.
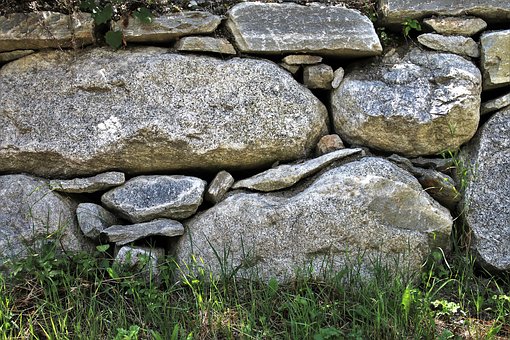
(279, 137)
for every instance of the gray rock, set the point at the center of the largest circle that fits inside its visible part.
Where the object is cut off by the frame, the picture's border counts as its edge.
(318, 76)
(143, 259)
(270, 28)
(466, 26)
(338, 76)
(356, 213)
(146, 110)
(454, 44)
(219, 186)
(302, 59)
(91, 184)
(205, 44)
(291, 68)
(329, 143)
(284, 176)
(397, 11)
(38, 30)
(495, 62)
(123, 234)
(145, 198)
(439, 164)
(93, 219)
(420, 103)
(495, 104)
(485, 204)
(30, 212)
(5, 57)
(168, 27)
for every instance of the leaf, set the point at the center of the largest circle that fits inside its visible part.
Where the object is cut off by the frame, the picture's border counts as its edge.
(114, 39)
(406, 301)
(143, 14)
(102, 248)
(103, 15)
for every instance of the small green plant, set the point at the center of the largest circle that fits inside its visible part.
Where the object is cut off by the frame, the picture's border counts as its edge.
(408, 25)
(130, 334)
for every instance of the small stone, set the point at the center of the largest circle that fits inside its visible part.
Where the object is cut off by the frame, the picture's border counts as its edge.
(219, 187)
(318, 76)
(291, 68)
(123, 234)
(284, 176)
(91, 184)
(454, 44)
(495, 61)
(495, 104)
(205, 44)
(5, 57)
(93, 219)
(143, 258)
(329, 143)
(338, 76)
(439, 164)
(145, 198)
(466, 26)
(302, 59)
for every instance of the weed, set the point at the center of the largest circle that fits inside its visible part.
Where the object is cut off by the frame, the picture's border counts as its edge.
(408, 25)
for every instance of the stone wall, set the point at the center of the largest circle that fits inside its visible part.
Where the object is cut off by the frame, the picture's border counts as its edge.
(276, 138)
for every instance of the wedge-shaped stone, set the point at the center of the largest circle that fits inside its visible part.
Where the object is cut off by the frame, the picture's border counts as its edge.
(454, 44)
(146, 110)
(123, 234)
(466, 26)
(37, 30)
(145, 198)
(93, 219)
(99, 182)
(361, 212)
(205, 44)
(168, 27)
(284, 176)
(495, 63)
(495, 104)
(269, 28)
(218, 187)
(5, 57)
(420, 103)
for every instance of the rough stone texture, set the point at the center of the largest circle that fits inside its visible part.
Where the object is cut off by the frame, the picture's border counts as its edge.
(145, 198)
(359, 211)
(302, 59)
(218, 187)
(318, 76)
(291, 68)
(487, 212)
(91, 184)
(29, 212)
(37, 30)
(93, 219)
(466, 26)
(5, 57)
(397, 11)
(284, 176)
(495, 104)
(455, 44)
(439, 164)
(141, 258)
(205, 44)
(270, 28)
(338, 76)
(329, 143)
(123, 234)
(420, 103)
(146, 110)
(169, 27)
(495, 63)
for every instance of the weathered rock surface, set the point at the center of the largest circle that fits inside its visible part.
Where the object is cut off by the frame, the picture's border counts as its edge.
(318, 76)
(302, 59)
(30, 212)
(123, 234)
(487, 212)
(141, 258)
(218, 187)
(454, 44)
(291, 68)
(5, 57)
(146, 110)
(93, 219)
(329, 143)
(420, 103)
(37, 30)
(270, 28)
(495, 104)
(466, 26)
(145, 198)
(397, 11)
(285, 176)
(439, 164)
(495, 63)
(169, 27)
(205, 44)
(338, 76)
(359, 211)
(91, 184)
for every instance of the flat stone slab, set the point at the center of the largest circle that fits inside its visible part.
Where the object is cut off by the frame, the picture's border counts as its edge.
(466, 26)
(168, 27)
(495, 104)
(302, 59)
(495, 61)
(454, 44)
(99, 182)
(93, 219)
(38, 30)
(123, 234)
(270, 28)
(284, 176)
(205, 44)
(145, 198)
(5, 57)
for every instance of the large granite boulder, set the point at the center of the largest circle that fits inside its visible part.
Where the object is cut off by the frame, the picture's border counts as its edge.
(145, 110)
(31, 214)
(269, 28)
(485, 204)
(495, 63)
(354, 214)
(420, 103)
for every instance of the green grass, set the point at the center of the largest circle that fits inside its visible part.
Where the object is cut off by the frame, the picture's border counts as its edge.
(88, 297)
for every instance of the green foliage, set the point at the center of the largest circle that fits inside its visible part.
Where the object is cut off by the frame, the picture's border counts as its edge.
(410, 24)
